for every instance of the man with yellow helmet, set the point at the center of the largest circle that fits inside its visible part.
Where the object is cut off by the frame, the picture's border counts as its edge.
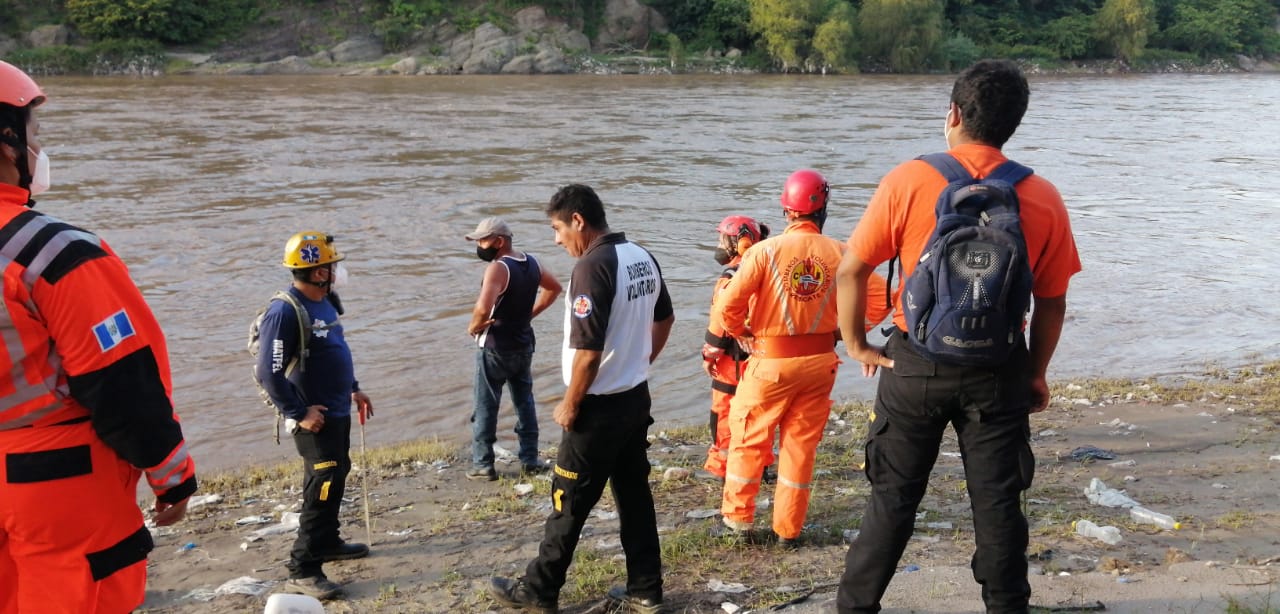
(315, 392)
(85, 399)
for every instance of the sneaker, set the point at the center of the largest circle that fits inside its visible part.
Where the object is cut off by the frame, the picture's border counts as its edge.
(516, 594)
(535, 468)
(319, 587)
(619, 596)
(482, 473)
(345, 551)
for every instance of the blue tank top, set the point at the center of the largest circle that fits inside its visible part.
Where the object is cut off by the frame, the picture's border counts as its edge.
(510, 330)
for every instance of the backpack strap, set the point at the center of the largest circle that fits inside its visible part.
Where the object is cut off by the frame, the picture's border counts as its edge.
(304, 326)
(1011, 172)
(947, 165)
(951, 170)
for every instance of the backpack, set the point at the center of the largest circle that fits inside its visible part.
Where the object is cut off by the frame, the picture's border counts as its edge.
(966, 300)
(299, 362)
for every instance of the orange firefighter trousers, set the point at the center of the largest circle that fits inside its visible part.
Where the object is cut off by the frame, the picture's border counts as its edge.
(71, 534)
(792, 395)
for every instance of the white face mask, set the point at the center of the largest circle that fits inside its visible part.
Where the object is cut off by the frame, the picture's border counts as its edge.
(340, 277)
(946, 128)
(40, 172)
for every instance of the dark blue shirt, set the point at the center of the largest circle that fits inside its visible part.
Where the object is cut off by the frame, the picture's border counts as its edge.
(328, 378)
(511, 330)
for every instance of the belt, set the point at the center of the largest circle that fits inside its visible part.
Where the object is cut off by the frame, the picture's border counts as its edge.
(793, 346)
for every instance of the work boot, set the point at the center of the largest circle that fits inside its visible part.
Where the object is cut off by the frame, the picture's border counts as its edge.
(534, 468)
(482, 474)
(618, 596)
(516, 594)
(319, 587)
(789, 543)
(345, 551)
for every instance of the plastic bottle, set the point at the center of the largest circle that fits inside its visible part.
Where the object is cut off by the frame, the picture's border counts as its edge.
(1142, 514)
(1108, 534)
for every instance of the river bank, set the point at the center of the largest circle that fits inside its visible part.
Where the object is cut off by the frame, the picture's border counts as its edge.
(298, 40)
(1205, 453)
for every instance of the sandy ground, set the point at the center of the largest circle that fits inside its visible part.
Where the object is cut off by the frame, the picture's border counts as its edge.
(437, 537)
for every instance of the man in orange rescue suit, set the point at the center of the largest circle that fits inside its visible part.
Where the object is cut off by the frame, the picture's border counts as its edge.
(785, 288)
(722, 359)
(84, 400)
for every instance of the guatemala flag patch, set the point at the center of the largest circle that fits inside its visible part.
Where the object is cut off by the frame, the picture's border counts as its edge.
(111, 331)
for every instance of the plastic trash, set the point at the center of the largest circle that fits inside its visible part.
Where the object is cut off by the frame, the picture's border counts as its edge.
(1099, 494)
(911, 568)
(1108, 534)
(1084, 453)
(187, 547)
(281, 603)
(1144, 515)
(718, 586)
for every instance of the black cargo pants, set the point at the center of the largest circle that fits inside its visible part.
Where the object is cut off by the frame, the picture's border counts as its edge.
(608, 443)
(915, 401)
(326, 462)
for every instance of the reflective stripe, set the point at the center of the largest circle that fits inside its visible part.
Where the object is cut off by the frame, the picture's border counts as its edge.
(169, 474)
(324, 465)
(780, 292)
(817, 317)
(24, 391)
(741, 480)
(324, 490)
(51, 249)
(796, 485)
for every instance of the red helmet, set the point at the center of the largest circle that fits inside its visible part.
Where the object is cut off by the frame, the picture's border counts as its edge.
(740, 226)
(806, 191)
(17, 89)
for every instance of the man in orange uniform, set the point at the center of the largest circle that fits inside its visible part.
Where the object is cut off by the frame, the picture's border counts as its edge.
(988, 406)
(785, 288)
(722, 359)
(84, 400)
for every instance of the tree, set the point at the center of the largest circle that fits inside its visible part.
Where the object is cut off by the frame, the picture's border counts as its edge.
(1220, 27)
(1125, 25)
(167, 21)
(902, 33)
(786, 27)
(834, 43)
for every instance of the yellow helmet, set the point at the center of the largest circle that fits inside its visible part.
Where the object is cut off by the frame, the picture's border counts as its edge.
(310, 248)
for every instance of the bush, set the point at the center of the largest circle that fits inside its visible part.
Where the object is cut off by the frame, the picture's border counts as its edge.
(168, 21)
(1069, 37)
(958, 52)
(102, 58)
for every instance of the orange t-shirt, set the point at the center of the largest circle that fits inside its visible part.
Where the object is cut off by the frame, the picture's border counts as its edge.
(900, 218)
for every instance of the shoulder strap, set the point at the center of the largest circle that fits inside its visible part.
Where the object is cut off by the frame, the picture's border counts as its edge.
(1011, 172)
(728, 271)
(947, 165)
(304, 325)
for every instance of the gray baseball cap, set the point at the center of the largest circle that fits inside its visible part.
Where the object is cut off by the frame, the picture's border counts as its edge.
(489, 227)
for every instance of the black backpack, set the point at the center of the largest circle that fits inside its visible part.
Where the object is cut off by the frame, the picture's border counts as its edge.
(966, 300)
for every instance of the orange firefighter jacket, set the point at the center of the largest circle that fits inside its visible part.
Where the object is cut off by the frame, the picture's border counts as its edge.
(80, 343)
(792, 278)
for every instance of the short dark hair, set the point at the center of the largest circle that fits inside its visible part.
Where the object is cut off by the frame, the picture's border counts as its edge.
(580, 199)
(992, 96)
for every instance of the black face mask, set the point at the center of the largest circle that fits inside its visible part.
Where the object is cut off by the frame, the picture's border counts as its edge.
(486, 254)
(722, 256)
